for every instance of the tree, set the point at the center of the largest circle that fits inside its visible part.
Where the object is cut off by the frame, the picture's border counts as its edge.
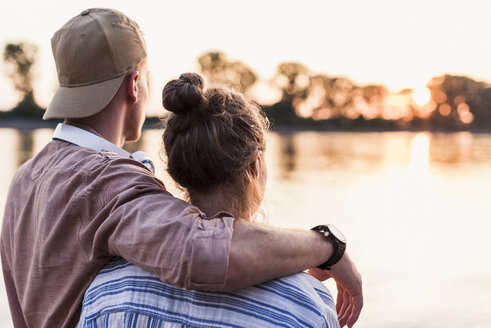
(332, 94)
(293, 79)
(371, 100)
(218, 68)
(21, 57)
(458, 100)
(333, 97)
(481, 108)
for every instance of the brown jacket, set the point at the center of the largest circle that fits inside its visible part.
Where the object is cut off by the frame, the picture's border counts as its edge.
(71, 209)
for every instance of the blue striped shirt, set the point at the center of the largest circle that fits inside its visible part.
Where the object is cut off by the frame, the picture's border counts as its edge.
(123, 295)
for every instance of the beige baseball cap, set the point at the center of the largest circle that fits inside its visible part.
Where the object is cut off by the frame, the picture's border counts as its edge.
(93, 51)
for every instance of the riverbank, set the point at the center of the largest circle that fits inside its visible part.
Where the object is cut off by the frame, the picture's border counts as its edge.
(31, 124)
(155, 123)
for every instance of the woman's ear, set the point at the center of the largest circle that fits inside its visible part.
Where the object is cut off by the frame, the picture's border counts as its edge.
(258, 168)
(133, 86)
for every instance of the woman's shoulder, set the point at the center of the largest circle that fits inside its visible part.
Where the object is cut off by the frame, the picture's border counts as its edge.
(302, 296)
(303, 285)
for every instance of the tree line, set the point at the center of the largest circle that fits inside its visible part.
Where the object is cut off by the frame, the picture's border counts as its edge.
(311, 99)
(325, 101)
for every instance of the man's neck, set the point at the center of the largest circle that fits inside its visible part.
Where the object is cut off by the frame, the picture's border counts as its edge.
(82, 126)
(105, 131)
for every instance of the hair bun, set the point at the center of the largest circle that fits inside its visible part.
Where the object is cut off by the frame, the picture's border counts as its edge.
(185, 94)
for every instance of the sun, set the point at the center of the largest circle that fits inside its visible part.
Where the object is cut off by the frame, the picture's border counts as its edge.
(421, 96)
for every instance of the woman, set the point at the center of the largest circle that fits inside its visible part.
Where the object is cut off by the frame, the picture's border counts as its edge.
(215, 146)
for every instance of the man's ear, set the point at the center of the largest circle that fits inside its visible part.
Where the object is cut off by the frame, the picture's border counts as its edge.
(133, 86)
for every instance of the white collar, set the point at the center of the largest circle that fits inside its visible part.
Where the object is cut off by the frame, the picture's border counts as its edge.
(84, 138)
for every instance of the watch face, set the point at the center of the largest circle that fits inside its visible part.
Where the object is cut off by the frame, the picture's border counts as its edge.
(338, 234)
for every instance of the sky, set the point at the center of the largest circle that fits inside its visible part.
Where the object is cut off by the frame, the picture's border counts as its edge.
(400, 44)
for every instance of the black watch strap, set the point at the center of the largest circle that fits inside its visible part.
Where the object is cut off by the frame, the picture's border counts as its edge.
(338, 245)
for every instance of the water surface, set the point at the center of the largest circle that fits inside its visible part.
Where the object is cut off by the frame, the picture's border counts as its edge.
(414, 206)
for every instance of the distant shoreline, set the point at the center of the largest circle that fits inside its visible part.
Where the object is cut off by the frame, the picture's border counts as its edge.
(154, 123)
(31, 124)
(28, 124)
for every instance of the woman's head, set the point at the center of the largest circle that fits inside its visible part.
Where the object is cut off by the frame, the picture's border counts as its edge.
(214, 142)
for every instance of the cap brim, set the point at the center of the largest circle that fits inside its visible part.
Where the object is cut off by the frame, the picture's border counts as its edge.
(84, 101)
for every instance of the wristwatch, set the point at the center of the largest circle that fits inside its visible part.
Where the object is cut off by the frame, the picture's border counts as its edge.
(338, 242)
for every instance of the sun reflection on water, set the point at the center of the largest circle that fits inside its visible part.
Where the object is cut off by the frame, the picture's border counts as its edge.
(420, 155)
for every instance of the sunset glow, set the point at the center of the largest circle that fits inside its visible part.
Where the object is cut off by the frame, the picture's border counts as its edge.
(421, 96)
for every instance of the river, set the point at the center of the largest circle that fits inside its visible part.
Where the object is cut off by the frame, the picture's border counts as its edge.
(415, 207)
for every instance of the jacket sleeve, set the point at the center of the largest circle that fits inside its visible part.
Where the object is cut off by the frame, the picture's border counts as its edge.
(133, 216)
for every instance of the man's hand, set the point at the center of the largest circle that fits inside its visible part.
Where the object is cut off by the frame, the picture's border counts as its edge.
(350, 295)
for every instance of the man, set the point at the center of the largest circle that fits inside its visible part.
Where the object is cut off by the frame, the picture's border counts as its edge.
(83, 200)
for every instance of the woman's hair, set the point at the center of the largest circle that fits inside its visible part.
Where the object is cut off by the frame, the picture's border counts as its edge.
(212, 139)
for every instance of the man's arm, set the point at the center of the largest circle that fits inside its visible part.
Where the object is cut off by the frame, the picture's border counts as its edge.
(259, 253)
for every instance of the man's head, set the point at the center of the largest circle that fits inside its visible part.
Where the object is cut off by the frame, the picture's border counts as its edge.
(94, 53)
